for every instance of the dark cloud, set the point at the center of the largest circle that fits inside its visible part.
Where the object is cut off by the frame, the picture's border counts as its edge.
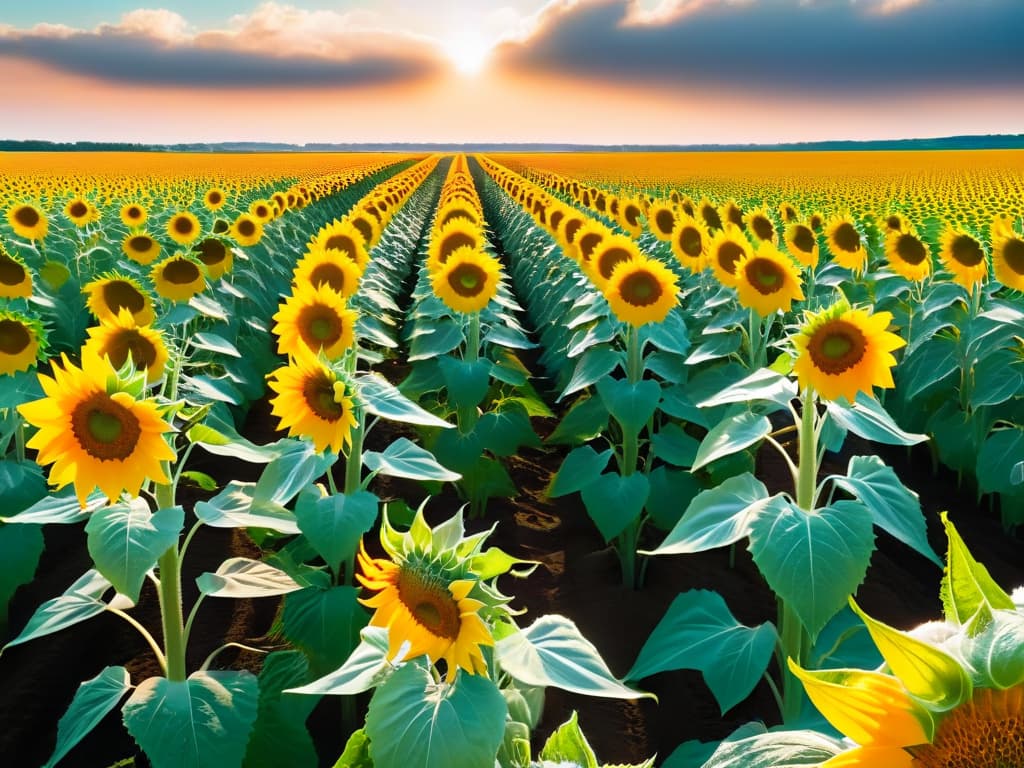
(785, 46)
(143, 60)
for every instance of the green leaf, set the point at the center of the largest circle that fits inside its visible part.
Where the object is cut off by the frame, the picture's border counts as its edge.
(334, 524)
(615, 501)
(93, 700)
(997, 653)
(81, 601)
(283, 478)
(440, 338)
(504, 432)
(717, 345)
(762, 384)
(324, 624)
(568, 745)
(784, 749)
(126, 540)
(242, 577)
(669, 335)
(279, 736)
(594, 365)
(968, 592)
(587, 418)
(496, 562)
(998, 456)
(403, 458)
(209, 306)
(630, 404)
(381, 398)
(673, 445)
(581, 467)
(235, 507)
(552, 652)
(868, 419)
(732, 434)
(718, 517)
(201, 479)
(894, 508)
(21, 484)
(467, 382)
(997, 378)
(214, 343)
(20, 549)
(814, 561)
(54, 274)
(413, 721)
(357, 752)
(699, 632)
(60, 507)
(367, 667)
(194, 723)
(215, 389)
(672, 491)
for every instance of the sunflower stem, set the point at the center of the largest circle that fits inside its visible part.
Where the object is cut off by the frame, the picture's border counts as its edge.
(473, 342)
(807, 468)
(634, 360)
(353, 484)
(791, 634)
(19, 435)
(171, 615)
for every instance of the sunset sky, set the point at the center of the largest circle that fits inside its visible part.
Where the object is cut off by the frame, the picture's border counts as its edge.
(580, 71)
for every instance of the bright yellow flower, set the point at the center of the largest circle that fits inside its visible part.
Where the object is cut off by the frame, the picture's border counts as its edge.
(314, 318)
(106, 296)
(964, 256)
(767, 281)
(20, 341)
(178, 278)
(312, 401)
(122, 338)
(183, 228)
(27, 221)
(468, 280)
(641, 291)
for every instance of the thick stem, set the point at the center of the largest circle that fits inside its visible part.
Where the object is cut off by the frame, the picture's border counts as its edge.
(634, 360)
(473, 341)
(807, 470)
(353, 483)
(791, 635)
(754, 335)
(19, 435)
(170, 598)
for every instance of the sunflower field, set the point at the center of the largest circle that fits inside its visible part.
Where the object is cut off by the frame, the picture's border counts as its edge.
(709, 460)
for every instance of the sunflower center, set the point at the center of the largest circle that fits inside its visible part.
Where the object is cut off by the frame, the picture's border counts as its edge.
(987, 732)
(246, 228)
(762, 228)
(430, 603)
(318, 392)
(816, 221)
(735, 215)
(319, 325)
(131, 342)
(571, 228)
(728, 254)
(556, 218)
(341, 243)
(765, 275)
(364, 228)
(467, 280)
(846, 237)
(588, 243)
(453, 241)
(893, 222)
(910, 249)
(967, 251)
(11, 272)
(665, 221)
(610, 258)
(632, 215)
(78, 209)
(27, 216)
(14, 337)
(690, 242)
(120, 294)
(183, 225)
(214, 197)
(181, 272)
(140, 243)
(803, 239)
(1013, 253)
(711, 217)
(134, 212)
(262, 211)
(212, 251)
(105, 429)
(331, 274)
(837, 346)
(641, 289)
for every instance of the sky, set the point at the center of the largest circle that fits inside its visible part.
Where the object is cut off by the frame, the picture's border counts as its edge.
(576, 71)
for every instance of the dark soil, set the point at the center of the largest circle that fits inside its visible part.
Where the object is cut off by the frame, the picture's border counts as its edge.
(579, 577)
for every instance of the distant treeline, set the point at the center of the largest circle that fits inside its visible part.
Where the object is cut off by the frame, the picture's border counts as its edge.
(949, 142)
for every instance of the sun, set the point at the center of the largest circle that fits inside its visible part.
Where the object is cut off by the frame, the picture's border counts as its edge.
(468, 53)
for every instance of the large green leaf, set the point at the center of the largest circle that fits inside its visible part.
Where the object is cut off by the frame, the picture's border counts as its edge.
(614, 501)
(587, 418)
(91, 703)
(367, 667)
(868, 419)
(20, 549)
(998, 455)
(81, 601)
(381, 398)
(324, 624)
(895, 508)
(969, 593)
(467, 382)
(403, 458)
(672, 491)
(673, 445)
(334, 524)
(581, 467)
(279, 735)
(196, 723)
(243, 577)
(553, 652)
(630, 404)
(568, 745)
(236, 507)
(126, 540)
(814, 561)
(699, 632)
(784, 749)
(504, 432)
(732, 434)
(762, 384)
(283, 478)
(594, 365)
(415, 721)
(60, 507)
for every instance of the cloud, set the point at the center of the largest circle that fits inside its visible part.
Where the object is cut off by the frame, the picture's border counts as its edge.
(778, 46)
(274, 46)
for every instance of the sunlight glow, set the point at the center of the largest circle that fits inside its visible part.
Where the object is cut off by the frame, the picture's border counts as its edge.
(468, 53)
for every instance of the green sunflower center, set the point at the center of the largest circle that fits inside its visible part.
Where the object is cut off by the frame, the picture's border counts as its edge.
(27, 216)
(120, 294)
(846, 237)
(987, 732)
(765, 275)
(641, 289)
(837, 346)
(11, 272)
(320, 325)
(14, 337)
(1013, 254)
(467, 280)
(318, 392)
(105, 429)
(967, 251)
(910, 249)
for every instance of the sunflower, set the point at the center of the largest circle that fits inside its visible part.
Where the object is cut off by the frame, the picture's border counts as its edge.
(760, 225)
(788, 212)
(842, 351)
(816, 221)
(133, 215)
(568, 230)
(1008, 258)
(802, 244)
(767, 281)
(731, 212)
(214, 199)
(263, 210)
(122, 339)
(313, 401)
(689, 243)
(178, 277)
(246, 230)
(107, 295)
(709, 215)
(725, 250)
(21, 339)
(78, 211)
(367, 228)
(629, 217)
(588, 237)
(216, 256)
(846, 244)
(314, 318)
(896, 222)
(140, 248)
(907, 254)
(963, 255)
(27, 221)
(15, 279)
(456, 210)
(95, 433)
(342, 237)
(457, 233)
(661, 219)
(467, 281)
(609, 253)
(320, 267)
(183, 228)
(641, 290)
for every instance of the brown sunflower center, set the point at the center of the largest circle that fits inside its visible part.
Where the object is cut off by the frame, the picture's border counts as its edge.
(318, 392)
(687, 208)
(762, 227)
(665, 221)
(690, 242)
(214, 197)
(735, 215)
(247, 228)
(212, 251)
(183, 225)
(728, 254)
(105, 429)
(711, 217)
(910, 249)
(610, 258)
(803, 239)
(120, 294)
(846, 237)
(330, 274)
(893, 222)
(788, 213)
(11, 272)
(572, 226)
(364, 227)
(134, 212)
(457, 213)
(27, 216)
(640, 289)
(632, 215)
(467, 280)
(837, 346)
(262, 211)
(14, 337)
(816, 221)
(555, 219)
(1013, 254)
(130, 342)
(319, 325)
(430, 604)
(181, 272)
(588, 242)
(342, 243)
(140, 243)
(78, 209)
(452, 241)
(987, 732)
(765, 275)
(966, 250)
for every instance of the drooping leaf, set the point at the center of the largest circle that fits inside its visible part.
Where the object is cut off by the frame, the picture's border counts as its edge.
(91, 703)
